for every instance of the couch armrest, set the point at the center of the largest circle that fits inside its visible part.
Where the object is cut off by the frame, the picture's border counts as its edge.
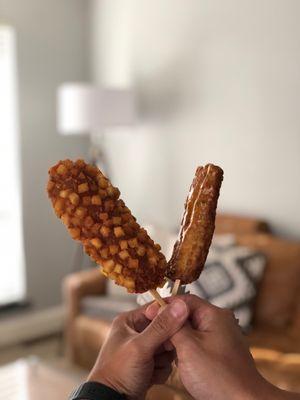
(235, 224)
(75, 287)
(81, 284)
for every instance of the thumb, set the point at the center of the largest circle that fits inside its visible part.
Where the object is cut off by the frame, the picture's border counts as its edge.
(166, 323)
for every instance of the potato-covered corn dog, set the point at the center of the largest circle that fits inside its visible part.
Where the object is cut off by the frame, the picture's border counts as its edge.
(197, 226)
(87, 203)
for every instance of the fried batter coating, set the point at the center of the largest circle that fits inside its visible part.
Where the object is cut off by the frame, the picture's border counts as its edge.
(197, 226)
(87, 203)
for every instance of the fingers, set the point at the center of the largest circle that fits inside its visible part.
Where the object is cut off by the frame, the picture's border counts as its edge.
(135, 320)
(163, 326)
(164, 359)
(160, 376)
(168, 346)
(162, 367)
(193, 302)
(201, 312)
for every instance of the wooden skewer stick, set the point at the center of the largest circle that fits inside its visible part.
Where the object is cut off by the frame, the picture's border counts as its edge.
(175, 287)
(158, 297)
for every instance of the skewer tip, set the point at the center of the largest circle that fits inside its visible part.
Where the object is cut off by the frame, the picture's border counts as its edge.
(158, 297)
(175, 287)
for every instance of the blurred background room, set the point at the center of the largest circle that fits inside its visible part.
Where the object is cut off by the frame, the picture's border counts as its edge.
(148, 90)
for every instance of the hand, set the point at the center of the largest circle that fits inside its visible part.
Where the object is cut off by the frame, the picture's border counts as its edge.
(213, 358)
(133, 357)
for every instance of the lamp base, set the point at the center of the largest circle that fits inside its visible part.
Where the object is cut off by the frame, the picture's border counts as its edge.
(97, 154)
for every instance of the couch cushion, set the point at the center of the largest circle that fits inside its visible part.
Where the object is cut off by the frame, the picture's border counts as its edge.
(106, 307)
(229, 280)
(277, 299)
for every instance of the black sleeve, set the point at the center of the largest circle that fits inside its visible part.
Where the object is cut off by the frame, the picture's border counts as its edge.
(96, 391)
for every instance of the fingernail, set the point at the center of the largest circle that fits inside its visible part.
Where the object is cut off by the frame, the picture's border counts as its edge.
(178, 308)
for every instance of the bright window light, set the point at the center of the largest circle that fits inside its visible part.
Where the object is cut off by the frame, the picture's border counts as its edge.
(12, 278)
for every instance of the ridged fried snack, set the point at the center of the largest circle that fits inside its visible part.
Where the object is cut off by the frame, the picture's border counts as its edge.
(197, 226)
(87, 203)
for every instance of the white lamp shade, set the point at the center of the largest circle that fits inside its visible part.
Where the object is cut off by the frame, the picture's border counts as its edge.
(83, 108)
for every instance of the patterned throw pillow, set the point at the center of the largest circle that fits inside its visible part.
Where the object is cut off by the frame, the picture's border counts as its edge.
(229, 280)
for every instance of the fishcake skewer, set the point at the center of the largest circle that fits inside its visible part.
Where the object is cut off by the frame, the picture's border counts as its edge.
(197, 226)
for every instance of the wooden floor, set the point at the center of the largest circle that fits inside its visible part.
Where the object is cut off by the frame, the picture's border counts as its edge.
(37, 370)
(50, 348)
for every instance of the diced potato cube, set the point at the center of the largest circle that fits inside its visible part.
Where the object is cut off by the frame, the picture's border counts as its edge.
(105, 231)
(64, 193)
(80, 212)
(96, 200)
(80, 163)
(133, 242)
(120, 280)
(96, 242)
(103, 183)
(118, 231)
(104, 253)
(68, 163)
(113, 249)
(59, 205)
(113, 276)
(108, 265)
(123, 254)
(74, 199)
(141, 251)
(50, 185)
(75, 233)
(91, 169)
(83, 187)
(123, 244)
(65, 219)
(129, 283)
(61, 169)
(118, 268)
(113, 192)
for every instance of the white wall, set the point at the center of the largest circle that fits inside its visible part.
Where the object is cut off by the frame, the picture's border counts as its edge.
(51, 41)
(219, 81)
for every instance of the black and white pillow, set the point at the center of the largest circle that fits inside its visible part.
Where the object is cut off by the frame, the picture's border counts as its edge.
(228, 280)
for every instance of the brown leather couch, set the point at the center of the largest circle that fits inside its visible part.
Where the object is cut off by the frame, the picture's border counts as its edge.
(274, 339)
